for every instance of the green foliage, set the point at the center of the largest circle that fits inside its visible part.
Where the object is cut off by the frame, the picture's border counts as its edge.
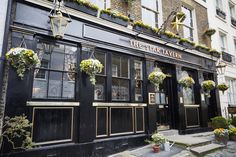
(156, 77)
(222, 86)
(219, 122)
(186, 82)
(91, 67)
(22, 59)
(18, 129)
(155, 30)
(210, 32)
(200, 46)
(86, 4)
(187, 41)
(233, 122)
(171, 35)
(214, 51)
(115, 14)
(156, 139)
(141, 24)
(208, 85)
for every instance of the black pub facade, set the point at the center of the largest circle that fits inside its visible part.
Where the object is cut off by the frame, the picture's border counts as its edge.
(71, 117)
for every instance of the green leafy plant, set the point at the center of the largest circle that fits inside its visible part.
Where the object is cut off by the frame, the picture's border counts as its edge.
(200, 46)
(17, 129)
(155, 30)
(115, 14)
(171, 35)
(232, 131)
(187, 41)
(223, 87)
(219, 122)
(214, 51)
(86, 4)
(210, 32)
(22, 59)
(233, 122)
(207, 86)
(91, 67)
(186, 82)
(141, 24)
(156, 139)
(156, 77)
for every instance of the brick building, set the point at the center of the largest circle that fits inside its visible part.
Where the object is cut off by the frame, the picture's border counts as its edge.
(70, 116)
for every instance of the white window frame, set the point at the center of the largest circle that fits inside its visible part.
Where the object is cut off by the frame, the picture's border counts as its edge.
(106, 3)
(156, 12)
(224, 44)
(219, 4)
(232, 14)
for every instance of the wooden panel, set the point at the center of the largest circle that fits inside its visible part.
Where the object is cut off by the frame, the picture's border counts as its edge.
(121, 120)
(139, 119)
(102, 121)
(52, 124)
(192, 116)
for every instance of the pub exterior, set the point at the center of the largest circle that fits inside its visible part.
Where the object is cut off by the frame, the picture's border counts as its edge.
(71, 117)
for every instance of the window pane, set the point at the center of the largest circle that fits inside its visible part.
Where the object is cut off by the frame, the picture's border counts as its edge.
(57, 58)
(120, 89)
(102, 58)
(149, 17)
(115, 66)
(124, 67)
(151, 4)
(188, 96)
(70, 58)
(55, 85)
(99, 90)
(139, 91)
(40, 86)
(68, 85)
(138, 70)
(99, 3)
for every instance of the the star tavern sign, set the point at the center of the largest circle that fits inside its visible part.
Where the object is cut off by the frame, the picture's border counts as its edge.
(154, 49)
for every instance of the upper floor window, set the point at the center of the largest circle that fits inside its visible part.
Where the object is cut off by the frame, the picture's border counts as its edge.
(235, 46)
(223, 42)
(232, 10)
(188, 23)
(219, 4)
(231, 92)
(102, 4)
(55, 78)
(149, 12)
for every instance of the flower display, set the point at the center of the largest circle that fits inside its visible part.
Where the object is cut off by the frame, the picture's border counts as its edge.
(91, 67)
(22, 59)
(221, 135)
(156, 77)
(186, 82)
(208, 85)
(223, 87)
(232, 131)
(157, 139)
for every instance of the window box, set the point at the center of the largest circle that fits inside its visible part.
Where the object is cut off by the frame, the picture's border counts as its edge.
(226, 57)
(220, 13)
(215, 53)
(233, 22)
(83, 8)
(171, 37)
(141, 27)
(186, 43)
(114, 19)
(202, 49)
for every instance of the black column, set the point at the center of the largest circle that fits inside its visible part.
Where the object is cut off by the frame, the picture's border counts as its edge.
(87, 111)
(217, 96)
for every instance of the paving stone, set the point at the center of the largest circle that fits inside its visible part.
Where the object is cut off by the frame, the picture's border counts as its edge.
(206, 148)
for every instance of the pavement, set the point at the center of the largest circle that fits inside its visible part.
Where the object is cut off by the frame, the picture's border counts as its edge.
(183, 146)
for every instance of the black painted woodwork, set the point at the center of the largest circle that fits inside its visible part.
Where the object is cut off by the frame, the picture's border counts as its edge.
(139, 119)
(102, 121)
(52, 124)
(192, 116)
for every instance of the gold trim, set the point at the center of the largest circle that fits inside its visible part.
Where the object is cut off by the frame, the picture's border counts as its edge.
(102, 104)
(97, 122)
(54, 141)
(50, 103)
(191, 126)
(136, 120)
(123, 133)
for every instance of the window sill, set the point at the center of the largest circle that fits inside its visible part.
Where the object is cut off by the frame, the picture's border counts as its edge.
(223, 20)
(49, 103)
(98, 104)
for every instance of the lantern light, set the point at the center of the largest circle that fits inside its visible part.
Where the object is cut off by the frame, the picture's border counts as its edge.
(221, 67)
(58, 22)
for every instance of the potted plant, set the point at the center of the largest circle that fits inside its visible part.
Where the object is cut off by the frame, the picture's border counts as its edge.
(140, 26)
(83, 6)
(219, 122)
(215, 53)
(156, 78)
(210, 32)
(156, 139)
(221, 135)
(187, 43)
(114, 17)
(186, 82)
(202, 48)
(207, 86)
(167, 35)
(222, 87)
(232, 134)
(91, 67)
(22, 59)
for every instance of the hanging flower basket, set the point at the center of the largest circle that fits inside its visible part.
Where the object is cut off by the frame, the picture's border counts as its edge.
(22, 59)
(207, 86)
(186, 82)
(156, 78)
(210, 32)
(91, 67)
(222, 87)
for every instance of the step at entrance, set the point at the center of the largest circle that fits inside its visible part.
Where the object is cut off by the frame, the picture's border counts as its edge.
(206, 148)
(169, 132)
